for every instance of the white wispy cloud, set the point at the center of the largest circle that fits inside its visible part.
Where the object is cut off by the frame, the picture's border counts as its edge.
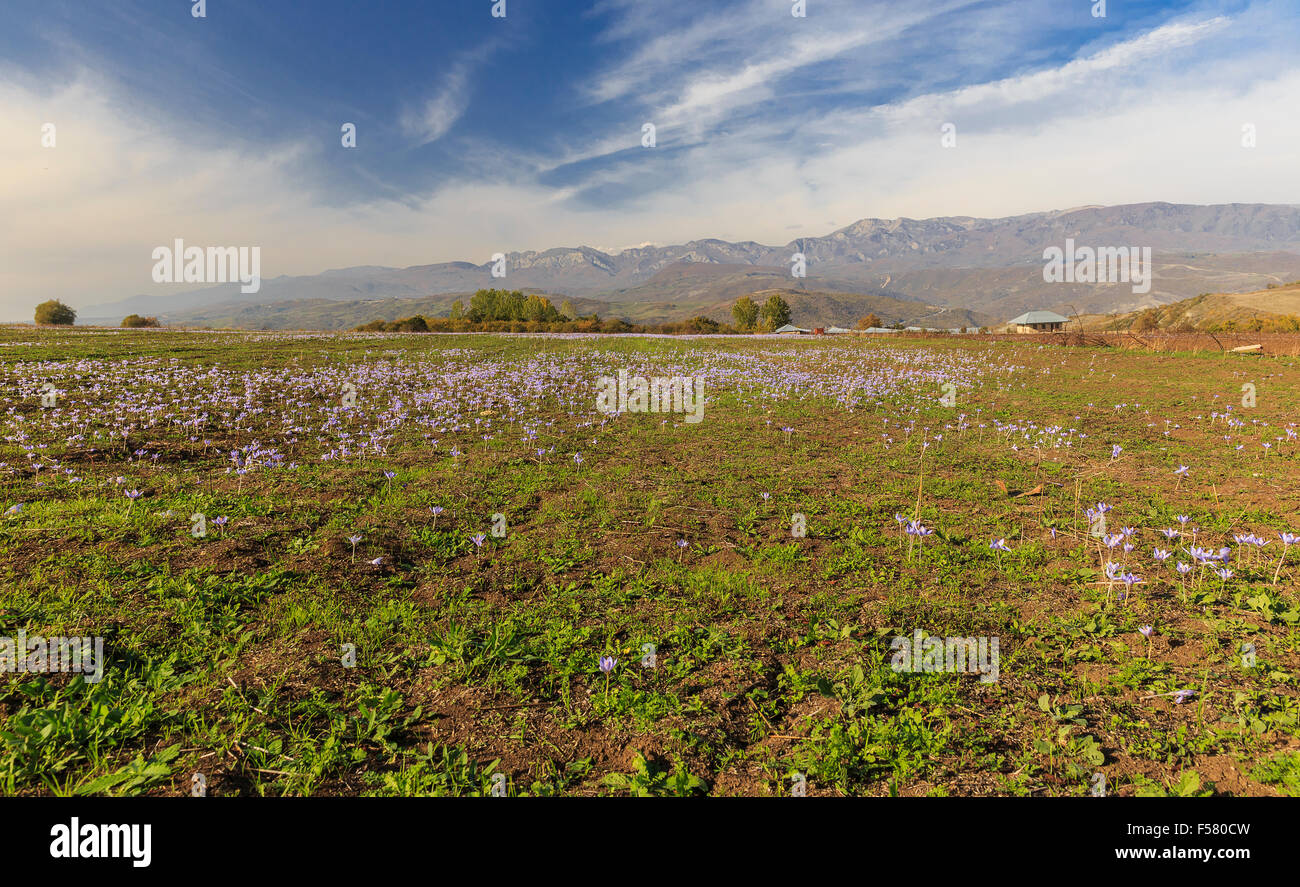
(435, 118)
(700, 73)
(1073, 74)
(712, 93)
(695, 60)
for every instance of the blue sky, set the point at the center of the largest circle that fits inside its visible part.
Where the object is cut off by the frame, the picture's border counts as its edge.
(477, 134)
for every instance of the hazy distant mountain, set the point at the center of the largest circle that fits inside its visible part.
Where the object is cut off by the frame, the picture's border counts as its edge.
(992, 266)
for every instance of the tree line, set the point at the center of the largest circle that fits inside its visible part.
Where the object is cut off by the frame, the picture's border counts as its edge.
(494, 310)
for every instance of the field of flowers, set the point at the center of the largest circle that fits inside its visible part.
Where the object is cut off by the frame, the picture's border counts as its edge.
(428, 564)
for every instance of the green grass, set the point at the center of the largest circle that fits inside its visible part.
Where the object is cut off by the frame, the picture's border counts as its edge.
(272, 657)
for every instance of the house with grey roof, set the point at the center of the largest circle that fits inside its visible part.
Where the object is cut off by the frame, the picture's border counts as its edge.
(1038, 322)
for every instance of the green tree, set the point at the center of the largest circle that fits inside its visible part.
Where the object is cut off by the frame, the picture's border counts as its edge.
(457, 310)
(135, 321)
(55, 312)
(482, 306)
(538, 309)
(776, 313)
(486, 305)
(745, 313)
(567, 309)
(514, 305)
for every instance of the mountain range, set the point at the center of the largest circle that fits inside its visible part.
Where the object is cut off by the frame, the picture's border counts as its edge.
(940, 272)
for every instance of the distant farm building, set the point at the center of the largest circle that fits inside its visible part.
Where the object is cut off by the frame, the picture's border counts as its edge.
(1038, 322)
(791, 328)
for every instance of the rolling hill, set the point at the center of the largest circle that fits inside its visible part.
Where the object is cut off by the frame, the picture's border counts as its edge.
(1212, 311)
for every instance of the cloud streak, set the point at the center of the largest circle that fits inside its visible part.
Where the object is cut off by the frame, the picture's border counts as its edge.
(440, 113)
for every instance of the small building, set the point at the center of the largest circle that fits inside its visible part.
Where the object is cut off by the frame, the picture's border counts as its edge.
(791, 328)
(1038, 322)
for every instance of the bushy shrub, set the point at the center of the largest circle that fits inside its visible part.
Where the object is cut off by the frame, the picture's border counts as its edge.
(55, 312)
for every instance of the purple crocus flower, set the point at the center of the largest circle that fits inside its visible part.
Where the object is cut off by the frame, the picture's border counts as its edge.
(607, 664)
(916, 528)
